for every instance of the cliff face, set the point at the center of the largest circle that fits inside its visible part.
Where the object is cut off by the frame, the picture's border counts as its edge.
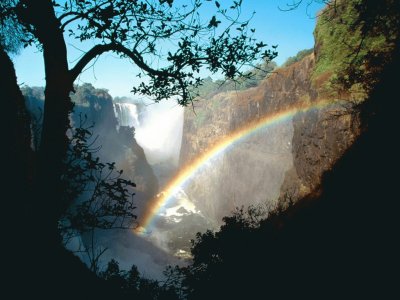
(116, 143)
(284, 161)
(320, 138)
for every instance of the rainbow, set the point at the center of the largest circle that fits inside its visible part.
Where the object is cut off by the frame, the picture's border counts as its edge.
(189, 171)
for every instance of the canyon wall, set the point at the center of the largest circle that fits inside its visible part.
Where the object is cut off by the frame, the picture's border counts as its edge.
(113, 138)
(282, 162)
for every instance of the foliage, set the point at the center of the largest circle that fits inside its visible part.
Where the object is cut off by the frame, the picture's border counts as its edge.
(100, 196)
(133, 29)
(339, 243)
(11, 32)
(84, 171)
(209, 250)
(133, 285)
(299, 56)
(333, 242)
(87, 95)
(352, 49)
(212, 257)
(249, 79)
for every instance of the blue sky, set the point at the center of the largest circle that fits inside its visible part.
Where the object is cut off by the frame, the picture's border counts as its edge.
(290, 30)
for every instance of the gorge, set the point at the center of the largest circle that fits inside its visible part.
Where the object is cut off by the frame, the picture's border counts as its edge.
(279, 183)
(272, 167)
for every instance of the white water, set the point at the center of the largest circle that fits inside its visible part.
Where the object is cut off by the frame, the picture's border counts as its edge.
(158, 131)
(126, 114)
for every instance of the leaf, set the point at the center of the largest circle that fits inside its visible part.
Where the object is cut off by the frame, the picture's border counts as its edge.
(213, 22)
(217, 4)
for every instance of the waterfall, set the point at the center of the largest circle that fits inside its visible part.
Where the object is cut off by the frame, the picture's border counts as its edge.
(127, 114)
(158, 128)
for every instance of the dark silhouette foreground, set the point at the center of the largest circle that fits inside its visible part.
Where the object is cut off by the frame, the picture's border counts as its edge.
(340, 244)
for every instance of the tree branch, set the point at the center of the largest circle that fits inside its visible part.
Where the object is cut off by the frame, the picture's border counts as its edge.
(70, 21)
(132, 54)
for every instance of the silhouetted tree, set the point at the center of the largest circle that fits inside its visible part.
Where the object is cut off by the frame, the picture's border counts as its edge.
(131, 29)
(11, 32)
(133, 286)
(339, 243)
(113, 274)
(103, 198)
(97, 195)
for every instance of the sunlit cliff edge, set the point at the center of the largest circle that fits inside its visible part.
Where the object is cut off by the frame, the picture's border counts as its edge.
(285, 163)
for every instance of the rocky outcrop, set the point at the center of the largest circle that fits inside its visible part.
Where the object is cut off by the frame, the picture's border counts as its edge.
(94, 109)
(320, 138)
(284, 161)
(117, 142)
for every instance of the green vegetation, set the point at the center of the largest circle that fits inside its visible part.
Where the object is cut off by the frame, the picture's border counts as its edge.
(249, 79)
(299, 56)
(348, 54)
(335, 42)
(339, 243)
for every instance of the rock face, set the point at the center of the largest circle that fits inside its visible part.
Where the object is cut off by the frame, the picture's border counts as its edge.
(116, 135)
(283, 161)
(115, 141)
(319, 140)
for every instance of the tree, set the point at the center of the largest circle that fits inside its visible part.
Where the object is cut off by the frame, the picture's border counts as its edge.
(113, 273)
(335, 241)
(99, 197)
(131, 29)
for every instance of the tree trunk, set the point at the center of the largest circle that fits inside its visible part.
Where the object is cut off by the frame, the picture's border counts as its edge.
(35, 267)
(57, 106)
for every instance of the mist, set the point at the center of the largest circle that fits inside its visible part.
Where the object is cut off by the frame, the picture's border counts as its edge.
(145, 140)
(250, 173)
(159, 132)
(157, 129)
